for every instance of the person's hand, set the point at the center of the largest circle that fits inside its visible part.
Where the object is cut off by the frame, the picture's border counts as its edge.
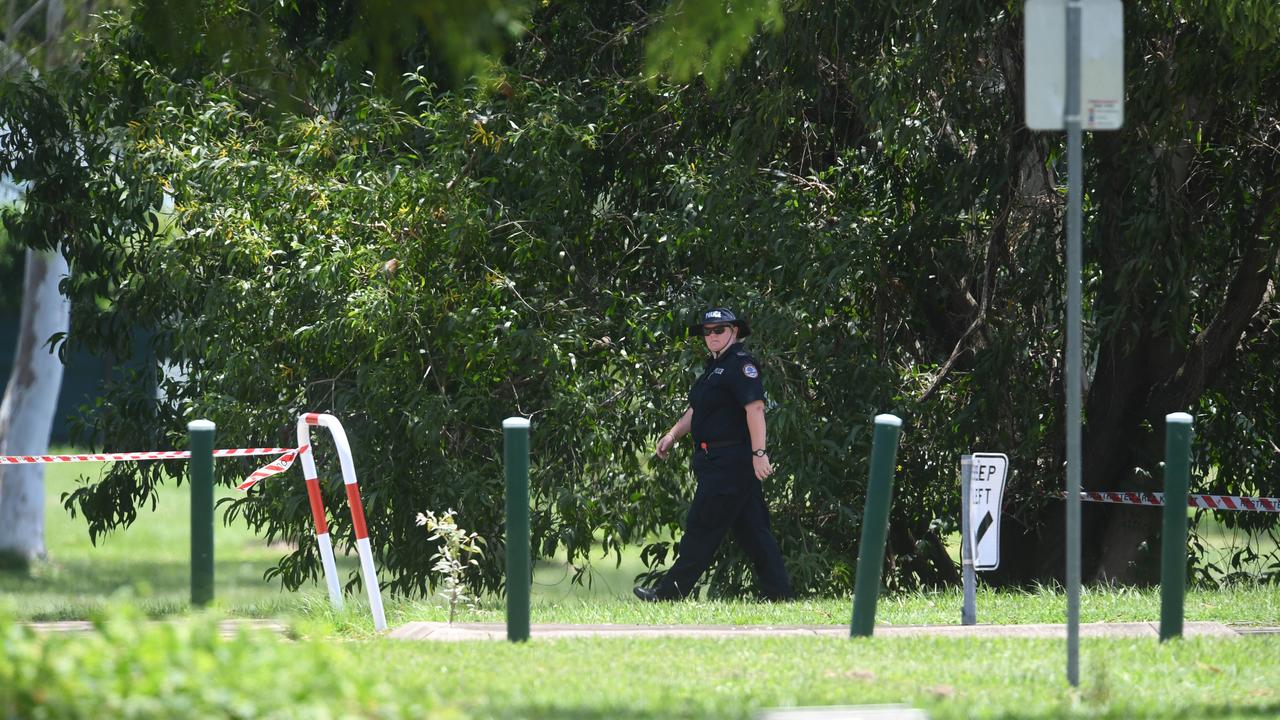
(665, 443)
(762, 466)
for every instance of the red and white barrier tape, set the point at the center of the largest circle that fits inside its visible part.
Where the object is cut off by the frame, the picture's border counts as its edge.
(1207, 502)
(279, 465)
(275, 467)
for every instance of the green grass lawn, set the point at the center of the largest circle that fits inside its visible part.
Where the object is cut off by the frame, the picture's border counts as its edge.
(333, 665)
(149, 561)
(183, 669)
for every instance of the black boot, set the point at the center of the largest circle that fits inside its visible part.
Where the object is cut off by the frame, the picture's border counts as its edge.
(649, 594)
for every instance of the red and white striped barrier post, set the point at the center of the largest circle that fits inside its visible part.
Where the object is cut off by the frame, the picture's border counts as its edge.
(286, 458)
(367, 569)
(323, 542)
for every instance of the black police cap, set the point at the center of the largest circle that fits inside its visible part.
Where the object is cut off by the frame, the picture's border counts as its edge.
(720, 316)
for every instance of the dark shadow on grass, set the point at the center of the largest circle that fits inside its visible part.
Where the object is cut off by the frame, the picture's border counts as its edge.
(14, 564)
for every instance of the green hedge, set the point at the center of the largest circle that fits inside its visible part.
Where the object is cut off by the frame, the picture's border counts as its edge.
(131, 668)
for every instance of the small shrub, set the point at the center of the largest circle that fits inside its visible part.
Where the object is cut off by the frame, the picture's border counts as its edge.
(131, 667)
(457, 548)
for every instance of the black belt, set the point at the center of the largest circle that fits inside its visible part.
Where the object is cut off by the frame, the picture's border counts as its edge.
(706, 445)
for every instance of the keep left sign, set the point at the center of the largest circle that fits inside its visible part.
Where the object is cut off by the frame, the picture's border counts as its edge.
(986, 495)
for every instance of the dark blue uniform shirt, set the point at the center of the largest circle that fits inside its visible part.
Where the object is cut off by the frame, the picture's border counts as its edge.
(720, 394)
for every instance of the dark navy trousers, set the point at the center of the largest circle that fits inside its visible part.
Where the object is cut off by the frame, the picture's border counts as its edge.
(728, 498)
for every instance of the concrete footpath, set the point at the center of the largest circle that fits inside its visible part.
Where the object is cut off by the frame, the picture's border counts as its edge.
(439, 631)
(498, 631)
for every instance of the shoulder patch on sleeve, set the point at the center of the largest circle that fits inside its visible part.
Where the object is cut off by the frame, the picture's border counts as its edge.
(750, 371)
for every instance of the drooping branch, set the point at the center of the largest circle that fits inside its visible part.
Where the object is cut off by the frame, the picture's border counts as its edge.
(1214, 346)
(13, 61)
(22, 20)
(994, 250)
(997, 248)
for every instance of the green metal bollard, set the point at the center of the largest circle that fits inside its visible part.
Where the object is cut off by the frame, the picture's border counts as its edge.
(200, 475)
(1173, 558)
(875, 525)
(515, 432)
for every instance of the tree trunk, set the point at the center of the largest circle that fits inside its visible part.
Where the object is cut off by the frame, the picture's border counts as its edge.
(26, 414)
(1137, 381)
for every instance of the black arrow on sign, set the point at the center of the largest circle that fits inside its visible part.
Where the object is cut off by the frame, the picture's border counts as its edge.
(983, 526)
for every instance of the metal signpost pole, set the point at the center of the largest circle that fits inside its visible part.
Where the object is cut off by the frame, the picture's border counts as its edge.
(969, 611)
(1074, 185)
(1069, 88)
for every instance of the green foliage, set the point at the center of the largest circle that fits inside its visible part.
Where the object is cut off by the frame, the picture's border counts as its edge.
(11, 264)
(424, 274)
(423, 263)
(707, 37)
(128, 668)
(683, 38)
(40, 36)
(282, 45)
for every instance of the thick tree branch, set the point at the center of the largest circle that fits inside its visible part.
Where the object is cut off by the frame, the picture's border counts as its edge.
(994, 244)
(22, 20)
(11, 59)
(995, 250)
(1215, 345)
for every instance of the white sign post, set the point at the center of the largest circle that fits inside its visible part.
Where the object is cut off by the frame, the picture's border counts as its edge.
(986, 495)
(1080, 44)
(982, 479)
(1101, 65)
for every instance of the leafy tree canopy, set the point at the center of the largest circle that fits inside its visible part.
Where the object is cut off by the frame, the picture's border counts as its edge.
(425, 259)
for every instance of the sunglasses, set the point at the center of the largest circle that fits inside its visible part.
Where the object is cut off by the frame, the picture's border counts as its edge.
(717, 330)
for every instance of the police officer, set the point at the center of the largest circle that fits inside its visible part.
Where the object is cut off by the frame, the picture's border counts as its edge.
(726, 419)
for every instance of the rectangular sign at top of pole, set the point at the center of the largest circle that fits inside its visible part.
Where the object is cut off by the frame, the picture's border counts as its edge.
(1101, 64)
(987, 475)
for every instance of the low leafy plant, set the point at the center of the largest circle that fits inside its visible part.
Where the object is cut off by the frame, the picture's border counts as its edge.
(128, 666)
(458, 549)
